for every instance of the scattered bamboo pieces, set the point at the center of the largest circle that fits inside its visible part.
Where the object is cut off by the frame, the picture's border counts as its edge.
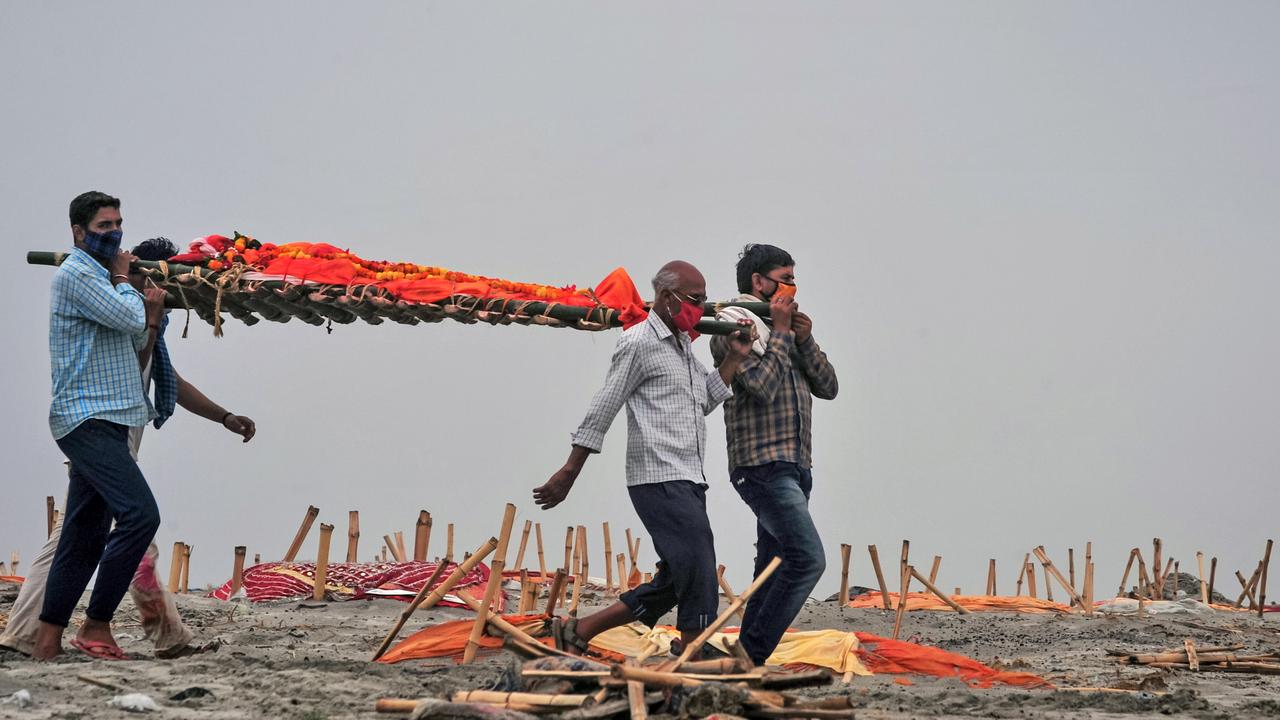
(928, 584)
(1051, 570)
(729, 595)
(720, 621)
(875, 564)
(312, 513)
(907, 572)
(1189, 657)
(542, 561)
(495, 583)
(524, 545)
(428, 597)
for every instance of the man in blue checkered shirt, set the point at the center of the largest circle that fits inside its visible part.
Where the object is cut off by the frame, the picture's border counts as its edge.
(97, 324)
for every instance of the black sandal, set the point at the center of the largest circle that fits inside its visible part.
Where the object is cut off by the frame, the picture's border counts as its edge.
(565, 633)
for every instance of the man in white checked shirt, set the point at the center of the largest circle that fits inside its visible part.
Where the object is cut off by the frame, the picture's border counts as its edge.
(667, 393)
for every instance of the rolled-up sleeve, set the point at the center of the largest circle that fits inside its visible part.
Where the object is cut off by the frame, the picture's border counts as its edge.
(621, 381)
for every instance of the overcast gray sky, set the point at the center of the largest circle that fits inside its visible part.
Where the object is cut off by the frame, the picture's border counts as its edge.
(1038, 242)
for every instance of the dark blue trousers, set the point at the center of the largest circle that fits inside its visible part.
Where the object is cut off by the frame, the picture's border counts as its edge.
(675, 514)
(106, 485)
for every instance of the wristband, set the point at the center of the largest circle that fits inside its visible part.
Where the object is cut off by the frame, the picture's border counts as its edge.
(117, 275)
(224, 418)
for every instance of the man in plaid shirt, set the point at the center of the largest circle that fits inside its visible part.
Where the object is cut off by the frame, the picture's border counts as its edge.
(769, 430)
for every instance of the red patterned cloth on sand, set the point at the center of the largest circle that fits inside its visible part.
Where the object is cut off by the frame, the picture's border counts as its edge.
(350, 581)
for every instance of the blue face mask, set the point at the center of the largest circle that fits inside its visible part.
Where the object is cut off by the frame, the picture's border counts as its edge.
(103, 245)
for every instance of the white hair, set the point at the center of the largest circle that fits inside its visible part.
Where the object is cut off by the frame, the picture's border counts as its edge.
(666, 279)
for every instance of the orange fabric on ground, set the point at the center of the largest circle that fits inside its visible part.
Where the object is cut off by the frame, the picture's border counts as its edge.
(972, 603)
(449, 639)
(883, 655)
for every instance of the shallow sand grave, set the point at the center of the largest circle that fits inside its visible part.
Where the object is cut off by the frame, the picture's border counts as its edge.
(310, 660)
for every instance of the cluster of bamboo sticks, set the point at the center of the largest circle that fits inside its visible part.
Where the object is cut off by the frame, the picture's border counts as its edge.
(211, 293)
(12, 568)
(1253, 589)
(621, 687)
(1217, 659)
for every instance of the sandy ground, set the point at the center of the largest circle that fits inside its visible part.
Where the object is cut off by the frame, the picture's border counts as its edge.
(291, 660)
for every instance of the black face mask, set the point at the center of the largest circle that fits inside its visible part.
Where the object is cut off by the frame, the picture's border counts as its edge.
(103, 246)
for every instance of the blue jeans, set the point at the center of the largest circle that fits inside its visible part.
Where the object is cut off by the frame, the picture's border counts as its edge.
(778, 494)
(105, 485)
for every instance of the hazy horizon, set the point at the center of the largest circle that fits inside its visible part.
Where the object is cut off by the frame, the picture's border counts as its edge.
(1037, 241)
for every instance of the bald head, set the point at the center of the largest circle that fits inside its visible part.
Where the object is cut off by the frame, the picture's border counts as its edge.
(677, 282)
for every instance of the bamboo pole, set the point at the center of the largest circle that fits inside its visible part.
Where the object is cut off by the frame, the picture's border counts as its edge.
(50, 510)
(14, 561)
(523, 606)
(579, 568)
(391, 547)
(353, 536)
(1031, 580)
(845, 550)
(875, 564)
(1156, 558)
(906, 547)
(542, 560)
(623, 580)
(237, 571)
(933, 571)
(729, 596)
(312, 513)
(585, 555)
(257, 558)
(991, 577)
(422, 536)
(720, 621)
(428, 597)
(495, 583)
(907, 572)
(608, 558)
(402, 554)
(631, 553)
(1144, 581)
(928, 584)
(1022, 572)
(504, 698)
(322, 561)
(1262, 584)
(639, 709)
(1088, 585)
(569, 565)
(524, 544)
(1124, 579)
(502, 625)
(553, 594)
(1204, 585)
(175, 568)
(1050, 569)
(448, 548)
(1071, 566)
(1213, 574)
(186, 567)
(635, 554)
(1048, 586)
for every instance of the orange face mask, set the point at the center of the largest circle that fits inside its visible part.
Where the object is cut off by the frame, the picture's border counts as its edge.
(785, 290)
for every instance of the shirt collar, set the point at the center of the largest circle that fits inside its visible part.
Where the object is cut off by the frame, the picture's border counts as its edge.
(83, 258)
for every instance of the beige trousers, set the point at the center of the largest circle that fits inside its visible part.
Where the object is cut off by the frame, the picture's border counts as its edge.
(159, 613)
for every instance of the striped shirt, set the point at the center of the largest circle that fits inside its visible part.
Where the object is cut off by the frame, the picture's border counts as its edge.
(95, 333)
(668, 395)
(770, 418)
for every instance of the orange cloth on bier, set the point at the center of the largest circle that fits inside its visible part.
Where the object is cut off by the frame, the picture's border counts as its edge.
(972, 603)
